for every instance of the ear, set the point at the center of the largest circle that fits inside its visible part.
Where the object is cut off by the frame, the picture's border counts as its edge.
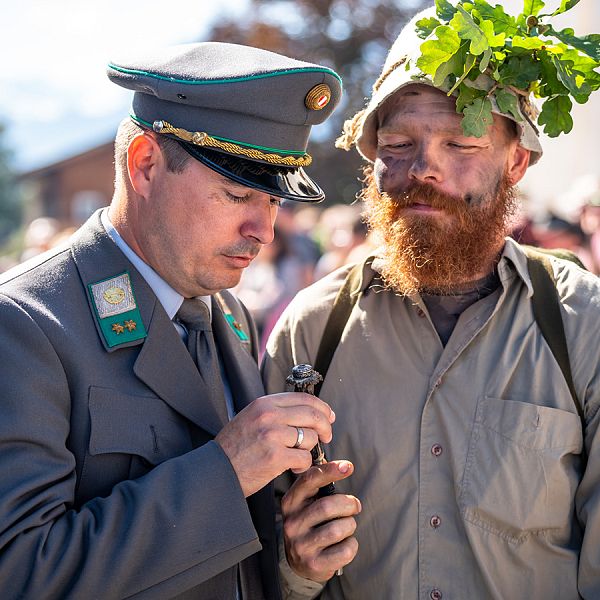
(144, 160)
(517, 162)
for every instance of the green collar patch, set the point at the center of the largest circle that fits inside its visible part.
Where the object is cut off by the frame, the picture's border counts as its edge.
(235, 325)
(116, 310)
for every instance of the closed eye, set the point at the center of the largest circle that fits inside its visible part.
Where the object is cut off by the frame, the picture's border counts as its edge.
(237, 199)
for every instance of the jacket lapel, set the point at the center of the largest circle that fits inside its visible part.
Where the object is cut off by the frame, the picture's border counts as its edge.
(166, 367)
(242, 371)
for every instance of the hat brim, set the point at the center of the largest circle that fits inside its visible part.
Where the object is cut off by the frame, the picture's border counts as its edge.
(283, 182)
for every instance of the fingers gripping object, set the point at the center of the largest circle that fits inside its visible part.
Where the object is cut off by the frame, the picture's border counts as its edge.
(304, 378)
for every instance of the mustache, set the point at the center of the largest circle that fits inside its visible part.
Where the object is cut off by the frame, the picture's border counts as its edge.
(243, 248)
(421, 193)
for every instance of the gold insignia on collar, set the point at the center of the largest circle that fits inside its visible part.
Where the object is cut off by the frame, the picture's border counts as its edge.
(113, 296)
(118, 328)
(318, 97)
(131, 325)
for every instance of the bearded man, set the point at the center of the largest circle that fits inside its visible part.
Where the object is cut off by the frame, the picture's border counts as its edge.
(462, 439)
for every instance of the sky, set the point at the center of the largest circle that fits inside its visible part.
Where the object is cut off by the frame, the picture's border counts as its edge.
(55, 98)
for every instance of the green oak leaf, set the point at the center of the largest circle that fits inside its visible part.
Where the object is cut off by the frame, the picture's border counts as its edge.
(453, 66)
(555, 116)
(572, 80)
(550, 83)
(565, 5)
(436, 52)
(468, 65)
(508, 103)
(495, 41)
(444, 9)
(520, 71)
(584, 65)
(477, 117)
(503, 22)
(532, 7)
(467, 29)
(466, 95)
(426, 26)
(529, 43)
(588, 44)
(485, 60)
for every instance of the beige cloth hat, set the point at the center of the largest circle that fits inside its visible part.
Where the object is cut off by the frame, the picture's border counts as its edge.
(362, 128)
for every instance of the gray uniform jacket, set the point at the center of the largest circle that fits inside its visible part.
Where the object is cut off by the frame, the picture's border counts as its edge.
(111, 485)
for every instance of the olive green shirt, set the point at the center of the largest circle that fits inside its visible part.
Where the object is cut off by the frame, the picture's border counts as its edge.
(468, 457)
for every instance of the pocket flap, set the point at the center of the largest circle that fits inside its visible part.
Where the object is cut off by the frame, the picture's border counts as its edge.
(530, 425)
(142, 425)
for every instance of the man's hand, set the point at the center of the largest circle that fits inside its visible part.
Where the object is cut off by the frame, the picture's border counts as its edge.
(319, 532)
(259, 440)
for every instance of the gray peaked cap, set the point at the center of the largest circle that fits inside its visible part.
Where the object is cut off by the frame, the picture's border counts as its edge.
(238, 109)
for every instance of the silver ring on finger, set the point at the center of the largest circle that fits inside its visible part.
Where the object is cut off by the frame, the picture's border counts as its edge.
(299, 438)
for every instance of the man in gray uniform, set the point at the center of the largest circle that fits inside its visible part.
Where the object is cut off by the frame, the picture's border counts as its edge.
(472, 431)
(132, 466)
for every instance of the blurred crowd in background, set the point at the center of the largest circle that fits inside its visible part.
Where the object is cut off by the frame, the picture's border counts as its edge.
(312, 241)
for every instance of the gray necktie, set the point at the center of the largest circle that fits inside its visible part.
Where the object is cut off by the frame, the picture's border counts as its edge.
(195, 316)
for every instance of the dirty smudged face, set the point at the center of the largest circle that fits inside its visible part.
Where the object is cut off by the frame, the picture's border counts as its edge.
(440, 201)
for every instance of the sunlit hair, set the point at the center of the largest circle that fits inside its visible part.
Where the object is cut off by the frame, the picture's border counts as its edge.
(424, 253)
(176, 157)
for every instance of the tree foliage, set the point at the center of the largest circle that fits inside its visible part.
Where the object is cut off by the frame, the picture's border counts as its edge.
(351, 36)
(10, 205)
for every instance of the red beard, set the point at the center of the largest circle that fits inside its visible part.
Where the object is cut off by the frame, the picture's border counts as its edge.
(423, 252)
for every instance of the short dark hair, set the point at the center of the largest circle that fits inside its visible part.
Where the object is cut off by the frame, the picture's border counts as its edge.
(175, 156)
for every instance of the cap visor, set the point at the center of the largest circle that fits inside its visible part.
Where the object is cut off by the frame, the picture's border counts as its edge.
(282, 182)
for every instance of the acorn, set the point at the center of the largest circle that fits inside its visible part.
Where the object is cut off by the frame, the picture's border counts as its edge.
(532, 21)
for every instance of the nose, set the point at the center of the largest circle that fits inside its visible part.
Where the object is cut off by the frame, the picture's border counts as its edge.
(425, 168)
(260, 221)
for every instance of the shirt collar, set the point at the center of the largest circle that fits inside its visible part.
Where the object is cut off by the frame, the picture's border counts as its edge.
(170, 299)
(514, 255)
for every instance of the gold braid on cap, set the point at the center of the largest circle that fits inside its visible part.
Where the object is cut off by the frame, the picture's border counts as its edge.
(201, 138)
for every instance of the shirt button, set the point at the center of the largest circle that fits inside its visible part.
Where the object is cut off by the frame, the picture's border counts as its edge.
(435, 594)
(420, 312)
(435, 521)
(436, 450)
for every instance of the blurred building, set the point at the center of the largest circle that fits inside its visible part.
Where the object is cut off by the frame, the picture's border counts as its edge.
(73, 188)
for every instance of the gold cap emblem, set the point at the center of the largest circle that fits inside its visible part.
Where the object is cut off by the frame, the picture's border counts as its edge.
(318, 97)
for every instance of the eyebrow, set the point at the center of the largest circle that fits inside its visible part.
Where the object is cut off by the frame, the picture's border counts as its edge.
(448, 131)
(230, 182)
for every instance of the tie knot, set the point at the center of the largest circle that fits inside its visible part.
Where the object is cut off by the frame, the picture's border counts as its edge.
(194, 314)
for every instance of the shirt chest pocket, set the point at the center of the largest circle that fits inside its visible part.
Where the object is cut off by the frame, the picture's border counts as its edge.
(521, 470)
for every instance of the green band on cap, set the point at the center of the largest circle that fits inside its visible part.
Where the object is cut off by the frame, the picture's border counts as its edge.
(229, 79)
